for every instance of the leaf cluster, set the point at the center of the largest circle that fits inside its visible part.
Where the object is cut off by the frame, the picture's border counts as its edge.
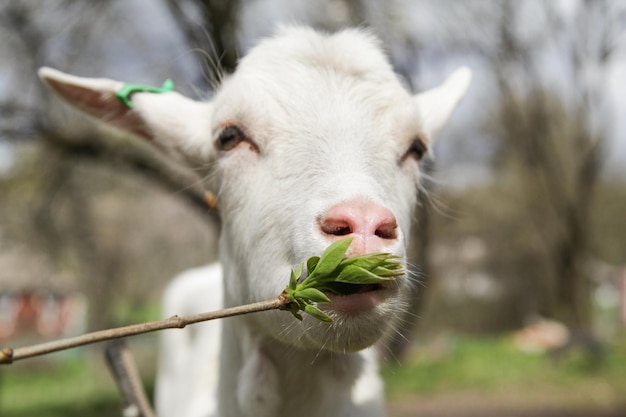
(332, 268)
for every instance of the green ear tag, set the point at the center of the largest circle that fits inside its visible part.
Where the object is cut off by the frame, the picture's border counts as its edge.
(124, 93)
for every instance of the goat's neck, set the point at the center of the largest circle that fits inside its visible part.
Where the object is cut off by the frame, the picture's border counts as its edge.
(260, 376)
(263, 377)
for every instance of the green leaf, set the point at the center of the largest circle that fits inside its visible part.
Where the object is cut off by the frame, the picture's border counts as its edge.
(385, 272)
(332, 256)
(332, 273)
(295, 276)
(370, 262)
(312, 263)
(317, 313)
(294, 308)
(353, 274)
(298, 271)
(312, 295)
(293, 281)
(367, 260)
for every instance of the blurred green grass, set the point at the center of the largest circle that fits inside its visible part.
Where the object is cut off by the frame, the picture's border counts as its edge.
(76, 386)
(484, 367)
(492, 367)
(71, 383)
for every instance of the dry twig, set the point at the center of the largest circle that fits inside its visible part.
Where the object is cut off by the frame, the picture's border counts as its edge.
(8, 355)
(124, 369)
(303, 294)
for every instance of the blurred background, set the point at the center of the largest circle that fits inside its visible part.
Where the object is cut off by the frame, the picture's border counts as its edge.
(520, 243)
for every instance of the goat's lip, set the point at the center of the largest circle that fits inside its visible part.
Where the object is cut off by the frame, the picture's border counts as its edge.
(357, 298)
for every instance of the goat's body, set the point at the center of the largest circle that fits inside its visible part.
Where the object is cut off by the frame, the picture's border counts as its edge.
(189, 358)
(311, 140)
(273, 379)
(269, 378)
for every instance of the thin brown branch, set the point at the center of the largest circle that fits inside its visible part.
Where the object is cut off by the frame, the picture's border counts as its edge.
(8, 355)
(122, 365)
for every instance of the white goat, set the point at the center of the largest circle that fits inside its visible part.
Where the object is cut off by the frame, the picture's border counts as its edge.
(312, 139)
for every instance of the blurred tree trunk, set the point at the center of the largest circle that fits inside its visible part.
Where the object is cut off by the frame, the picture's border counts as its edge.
(63, 213)
(96, 271)
(210, 27)
(57, 184)
(559, 146)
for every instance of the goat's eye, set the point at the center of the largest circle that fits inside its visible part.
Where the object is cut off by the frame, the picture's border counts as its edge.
(417, 149)
(230, 137)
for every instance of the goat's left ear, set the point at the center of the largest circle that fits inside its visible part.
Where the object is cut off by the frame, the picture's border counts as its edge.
(178, 126)
(436, 105)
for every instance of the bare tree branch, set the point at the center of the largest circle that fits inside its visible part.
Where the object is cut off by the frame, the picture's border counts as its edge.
(8, 355)
(122, 365)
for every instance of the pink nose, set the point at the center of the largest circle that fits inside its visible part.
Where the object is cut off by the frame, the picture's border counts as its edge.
(371, 226)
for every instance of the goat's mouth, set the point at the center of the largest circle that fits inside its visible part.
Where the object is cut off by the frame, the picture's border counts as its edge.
(344, 289)
(355, 298)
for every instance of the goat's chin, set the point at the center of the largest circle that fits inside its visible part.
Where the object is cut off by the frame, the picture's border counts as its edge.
(360, 319)
(349, 332)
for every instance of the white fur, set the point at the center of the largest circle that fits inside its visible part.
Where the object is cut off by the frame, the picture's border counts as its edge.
(189, 358)
(328, 123)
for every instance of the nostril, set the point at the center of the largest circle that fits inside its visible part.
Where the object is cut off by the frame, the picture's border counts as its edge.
(359, 218)
(341, 231)
(336, 227)
(387, 230)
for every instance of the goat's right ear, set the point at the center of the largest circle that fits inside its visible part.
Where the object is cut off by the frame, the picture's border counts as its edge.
(175, 124)
(436, 105)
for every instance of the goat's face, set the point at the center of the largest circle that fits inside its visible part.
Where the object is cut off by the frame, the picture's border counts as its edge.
(311, 140)
(319, 148)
